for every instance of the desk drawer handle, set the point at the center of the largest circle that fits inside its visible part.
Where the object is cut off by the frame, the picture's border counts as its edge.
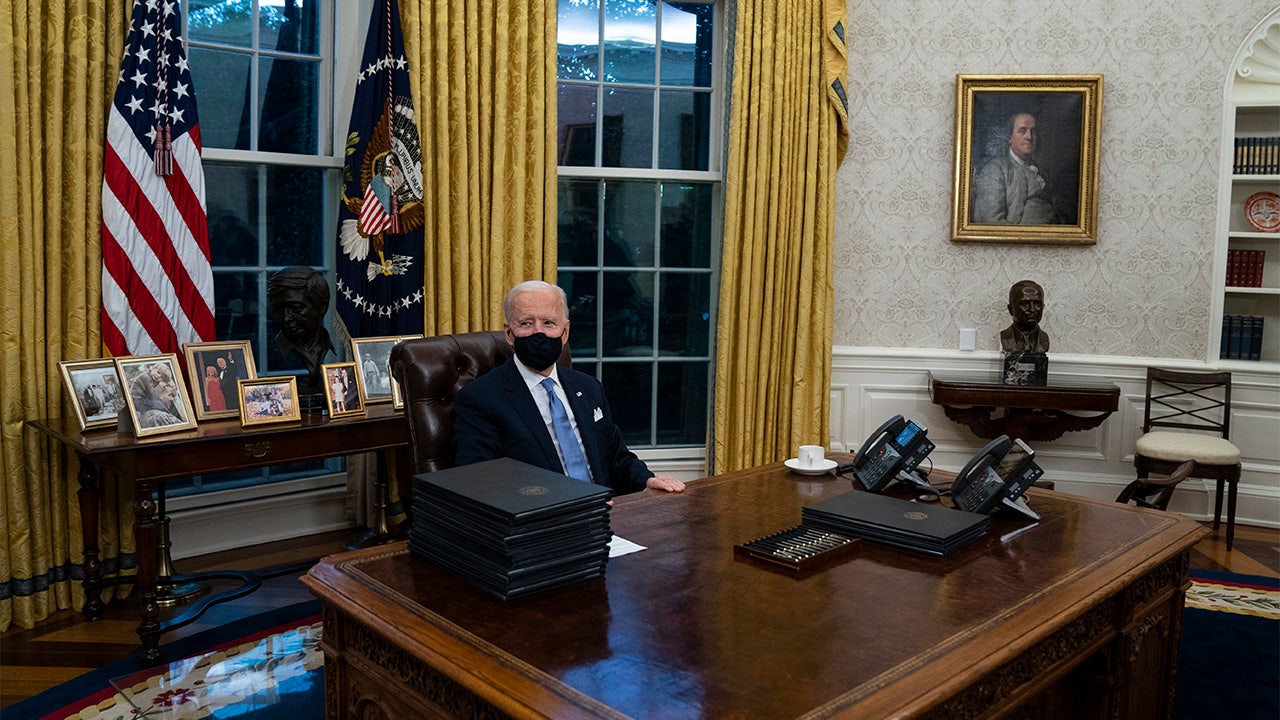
(258, 449)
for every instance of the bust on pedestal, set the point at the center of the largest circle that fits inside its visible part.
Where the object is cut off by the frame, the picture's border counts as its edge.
(299, 298)
(1025, 344)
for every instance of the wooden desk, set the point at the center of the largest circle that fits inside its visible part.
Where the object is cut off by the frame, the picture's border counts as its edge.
(211, 447)
(1076, 616)
(1031, 412)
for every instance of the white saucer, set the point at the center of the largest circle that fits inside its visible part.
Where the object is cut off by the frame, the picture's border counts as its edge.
(826, 467)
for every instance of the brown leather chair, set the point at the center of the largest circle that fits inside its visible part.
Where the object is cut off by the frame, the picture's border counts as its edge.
(430, 372)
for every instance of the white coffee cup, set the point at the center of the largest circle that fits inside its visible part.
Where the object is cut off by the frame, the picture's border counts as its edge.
(810, 456)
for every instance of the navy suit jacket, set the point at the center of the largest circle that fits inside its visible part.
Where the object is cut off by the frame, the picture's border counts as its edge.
(495, 416)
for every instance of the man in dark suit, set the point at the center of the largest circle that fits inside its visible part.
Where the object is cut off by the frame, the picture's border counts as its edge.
(517, 409)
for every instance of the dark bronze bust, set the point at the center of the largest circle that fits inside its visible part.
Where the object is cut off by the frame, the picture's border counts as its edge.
(299, 298)
(1026, 305)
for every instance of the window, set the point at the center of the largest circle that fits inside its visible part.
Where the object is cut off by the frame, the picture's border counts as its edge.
(639, 202)
(264, 78)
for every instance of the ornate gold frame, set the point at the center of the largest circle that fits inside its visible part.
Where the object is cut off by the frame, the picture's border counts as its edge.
(1056, 100)
(288, 387)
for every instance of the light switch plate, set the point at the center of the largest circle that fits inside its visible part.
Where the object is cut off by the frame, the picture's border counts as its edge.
(968, 339)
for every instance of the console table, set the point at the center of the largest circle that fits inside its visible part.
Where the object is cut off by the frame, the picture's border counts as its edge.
(988, 407)
(217, 446)
(1077, 615)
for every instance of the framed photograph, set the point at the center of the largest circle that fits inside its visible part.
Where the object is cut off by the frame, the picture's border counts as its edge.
(214, 369)
(371, 357)
(342, 391)
(268, 400)
(155, 395)
(1026, 159)
(397, 400)
(95, 392)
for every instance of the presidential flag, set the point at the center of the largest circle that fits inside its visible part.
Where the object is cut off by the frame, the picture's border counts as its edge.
(157, 281)
(380, 241)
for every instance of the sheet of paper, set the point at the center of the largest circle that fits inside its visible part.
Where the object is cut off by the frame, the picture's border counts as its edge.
(620, 546)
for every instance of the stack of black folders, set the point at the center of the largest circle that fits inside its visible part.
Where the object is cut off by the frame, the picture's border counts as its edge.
(510, 528)
(927, 528)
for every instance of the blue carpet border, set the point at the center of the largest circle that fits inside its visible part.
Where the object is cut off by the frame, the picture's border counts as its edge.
(79, 688)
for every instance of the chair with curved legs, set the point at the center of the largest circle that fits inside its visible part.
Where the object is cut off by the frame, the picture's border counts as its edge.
(1188, 417)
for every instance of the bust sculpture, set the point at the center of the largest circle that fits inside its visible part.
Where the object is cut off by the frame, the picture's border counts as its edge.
(1026, 305)
(299, 298)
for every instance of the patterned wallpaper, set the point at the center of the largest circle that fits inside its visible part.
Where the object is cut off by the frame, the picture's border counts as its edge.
(1145, 288)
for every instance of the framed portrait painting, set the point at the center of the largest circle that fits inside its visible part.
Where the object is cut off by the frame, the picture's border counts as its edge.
(155, 395)
(214, 369)
(343, 394)
(1026, 159)
(268, 400)
(93, 387)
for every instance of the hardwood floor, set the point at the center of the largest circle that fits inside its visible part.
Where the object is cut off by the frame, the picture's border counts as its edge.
(67, 646)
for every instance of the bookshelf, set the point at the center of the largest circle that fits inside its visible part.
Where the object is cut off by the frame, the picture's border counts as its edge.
(1246, 265)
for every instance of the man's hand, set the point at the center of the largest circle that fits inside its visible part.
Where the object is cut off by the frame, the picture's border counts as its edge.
(664, 483)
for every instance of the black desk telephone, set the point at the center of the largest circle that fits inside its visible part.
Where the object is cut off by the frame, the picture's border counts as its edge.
(891, 452)
(996, 477)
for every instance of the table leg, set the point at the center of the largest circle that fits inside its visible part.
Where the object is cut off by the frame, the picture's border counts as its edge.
(380, 532)
(89, 497)
(146, 535)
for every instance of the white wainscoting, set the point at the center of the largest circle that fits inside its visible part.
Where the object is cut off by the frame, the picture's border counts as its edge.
(869, 385)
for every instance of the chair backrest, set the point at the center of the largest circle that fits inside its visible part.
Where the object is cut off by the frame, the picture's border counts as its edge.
(430, 372)
(1188, 400)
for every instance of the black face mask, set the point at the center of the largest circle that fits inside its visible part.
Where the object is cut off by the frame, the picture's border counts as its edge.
(538, 351)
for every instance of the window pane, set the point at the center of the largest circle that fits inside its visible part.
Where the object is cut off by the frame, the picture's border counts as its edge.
(578, 40)
(629, 234)
(630, 36)
(235, 297)
(295, 214)
(221, 82)
(290, 111)
(580, 287)
(231, 199)
(628, 128)
(686, 225)
(682, 403)
(289, 26)
(218, 21)
(686, 44)
(684, 320)
(627, 326)
(629, 388)
(576, 111)
(684, 130)
(578, 213)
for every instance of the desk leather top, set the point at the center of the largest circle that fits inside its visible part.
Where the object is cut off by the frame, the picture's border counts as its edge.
(686, 629)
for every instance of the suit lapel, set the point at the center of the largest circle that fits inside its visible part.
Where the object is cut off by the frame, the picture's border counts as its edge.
(583, 413)
(527, 410)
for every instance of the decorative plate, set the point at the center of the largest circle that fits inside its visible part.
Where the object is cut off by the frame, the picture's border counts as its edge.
(1262, 209)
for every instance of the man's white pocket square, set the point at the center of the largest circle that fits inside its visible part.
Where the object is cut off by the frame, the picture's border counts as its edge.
(598, 415)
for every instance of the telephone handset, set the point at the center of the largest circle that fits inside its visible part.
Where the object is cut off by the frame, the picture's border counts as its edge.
(896, 447)
(996, 477)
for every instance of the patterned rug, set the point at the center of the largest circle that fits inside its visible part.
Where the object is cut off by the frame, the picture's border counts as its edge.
(1230, 633)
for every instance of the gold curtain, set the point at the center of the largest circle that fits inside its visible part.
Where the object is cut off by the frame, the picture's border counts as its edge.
(58, 62)
(484, 85)
(788, 131)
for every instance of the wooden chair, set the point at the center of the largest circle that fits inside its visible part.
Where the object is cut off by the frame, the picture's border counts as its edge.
(1191, 405)
(1155, 492)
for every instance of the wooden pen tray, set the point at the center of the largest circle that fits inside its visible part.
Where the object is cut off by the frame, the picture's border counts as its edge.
(799, 549)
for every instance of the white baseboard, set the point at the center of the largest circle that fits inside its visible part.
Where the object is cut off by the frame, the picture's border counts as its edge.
(213, 526)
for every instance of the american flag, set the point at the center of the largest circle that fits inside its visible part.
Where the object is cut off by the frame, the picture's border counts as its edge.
(157, 281)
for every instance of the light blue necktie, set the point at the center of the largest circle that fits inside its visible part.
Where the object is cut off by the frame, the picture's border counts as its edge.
(575, 462)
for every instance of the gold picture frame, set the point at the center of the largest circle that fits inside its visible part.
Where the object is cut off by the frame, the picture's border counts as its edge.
(269, 400)
(371, 356)
(155, 394)
(95, 391)
(217, 396)
(397, 398)
(343, 390)
(1027, 152)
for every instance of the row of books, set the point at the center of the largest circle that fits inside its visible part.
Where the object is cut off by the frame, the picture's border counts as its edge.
(1257, 156)
(1241, 337)
(1244, 267)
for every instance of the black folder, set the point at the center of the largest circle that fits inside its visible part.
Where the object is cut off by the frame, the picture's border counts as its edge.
(931, 528)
